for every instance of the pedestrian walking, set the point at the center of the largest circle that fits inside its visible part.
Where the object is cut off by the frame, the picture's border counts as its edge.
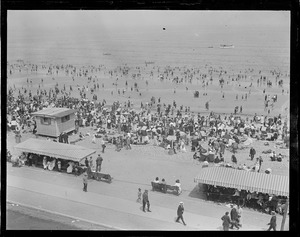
(272, 222)
(239, 213)
(103, 145)
(252, 153)
(233, 159)
(260, 161)
(234, 218)
(139, 199)
(98, 163)
(226, 221)
(180, 211)
(146, 201)
(85, 181)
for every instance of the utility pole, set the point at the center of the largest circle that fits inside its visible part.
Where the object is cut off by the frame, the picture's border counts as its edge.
(284, 214)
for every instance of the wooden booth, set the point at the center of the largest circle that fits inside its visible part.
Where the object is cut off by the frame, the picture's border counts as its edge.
(53, 121)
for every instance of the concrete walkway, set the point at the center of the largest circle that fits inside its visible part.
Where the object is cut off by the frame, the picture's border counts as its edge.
(107, 205)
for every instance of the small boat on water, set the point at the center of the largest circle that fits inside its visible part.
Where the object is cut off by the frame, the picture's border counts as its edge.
(226, 46)
(210, 47)
(150, 62)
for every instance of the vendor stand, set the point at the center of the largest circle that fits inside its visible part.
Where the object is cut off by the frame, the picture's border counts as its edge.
(65, 153)
(225, 181)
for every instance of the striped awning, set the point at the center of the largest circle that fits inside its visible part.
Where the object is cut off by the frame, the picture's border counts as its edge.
(246, 180)
(54, 149)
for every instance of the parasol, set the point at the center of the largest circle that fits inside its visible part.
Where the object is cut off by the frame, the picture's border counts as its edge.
(142, 124)
(171, 138)
(144, 128)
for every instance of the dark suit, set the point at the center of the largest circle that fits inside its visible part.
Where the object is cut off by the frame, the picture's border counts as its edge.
(146, 201)
(85, 182)
(234, 218)
(272, 223)
(180, 211)
(252, 153)
(226, 222)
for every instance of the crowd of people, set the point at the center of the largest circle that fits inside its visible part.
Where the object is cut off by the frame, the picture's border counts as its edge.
(171, 126)
(147, 123)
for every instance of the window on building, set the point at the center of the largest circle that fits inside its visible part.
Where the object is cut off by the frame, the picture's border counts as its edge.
(65, 118)
(45, 121)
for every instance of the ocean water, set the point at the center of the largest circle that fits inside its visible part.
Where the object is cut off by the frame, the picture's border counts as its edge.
(254, 47)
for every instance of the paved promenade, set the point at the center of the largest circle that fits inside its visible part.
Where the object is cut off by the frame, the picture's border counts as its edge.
(114, 205)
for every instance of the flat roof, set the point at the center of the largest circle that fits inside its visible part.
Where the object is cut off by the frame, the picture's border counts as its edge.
(54, 149)
(54, 112)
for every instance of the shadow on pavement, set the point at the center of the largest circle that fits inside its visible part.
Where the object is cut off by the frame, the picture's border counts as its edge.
(197, 193)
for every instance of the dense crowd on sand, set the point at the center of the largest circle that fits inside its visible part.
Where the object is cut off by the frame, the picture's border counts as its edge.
(171, 126)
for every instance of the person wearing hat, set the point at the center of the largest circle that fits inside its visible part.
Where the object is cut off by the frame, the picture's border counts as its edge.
(273, 156)
(180, 211)
(234, 217)
(86, 161)
(85, 181)
(98, 163)
(226, 221)
(252, 153)
(272, 222)
(146, 201)
(260, 160)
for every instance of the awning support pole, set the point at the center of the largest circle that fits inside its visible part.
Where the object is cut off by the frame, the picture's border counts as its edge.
(284, 214)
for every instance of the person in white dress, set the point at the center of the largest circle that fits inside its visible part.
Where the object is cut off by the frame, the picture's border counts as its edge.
(239, 213)
(45, 162)
(182, 146)
(178, 184)
(94, 138)
(70, 167)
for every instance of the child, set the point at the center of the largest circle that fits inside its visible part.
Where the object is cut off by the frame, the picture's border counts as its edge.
(139, 199)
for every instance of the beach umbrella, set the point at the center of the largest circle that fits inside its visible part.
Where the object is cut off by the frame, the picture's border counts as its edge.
(142, 124)
(229, 128)
(144, 128)
(248, 142)
(227, 136)
(203, 134)
(171, 138)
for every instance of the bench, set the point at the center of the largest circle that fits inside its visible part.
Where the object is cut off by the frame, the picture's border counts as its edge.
(77, 140)
(98, 176)
(164, 188)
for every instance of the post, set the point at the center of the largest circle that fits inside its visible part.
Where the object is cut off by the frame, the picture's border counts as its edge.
(284, 214)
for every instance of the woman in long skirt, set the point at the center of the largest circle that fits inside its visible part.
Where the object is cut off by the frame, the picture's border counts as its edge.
(45, 162)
